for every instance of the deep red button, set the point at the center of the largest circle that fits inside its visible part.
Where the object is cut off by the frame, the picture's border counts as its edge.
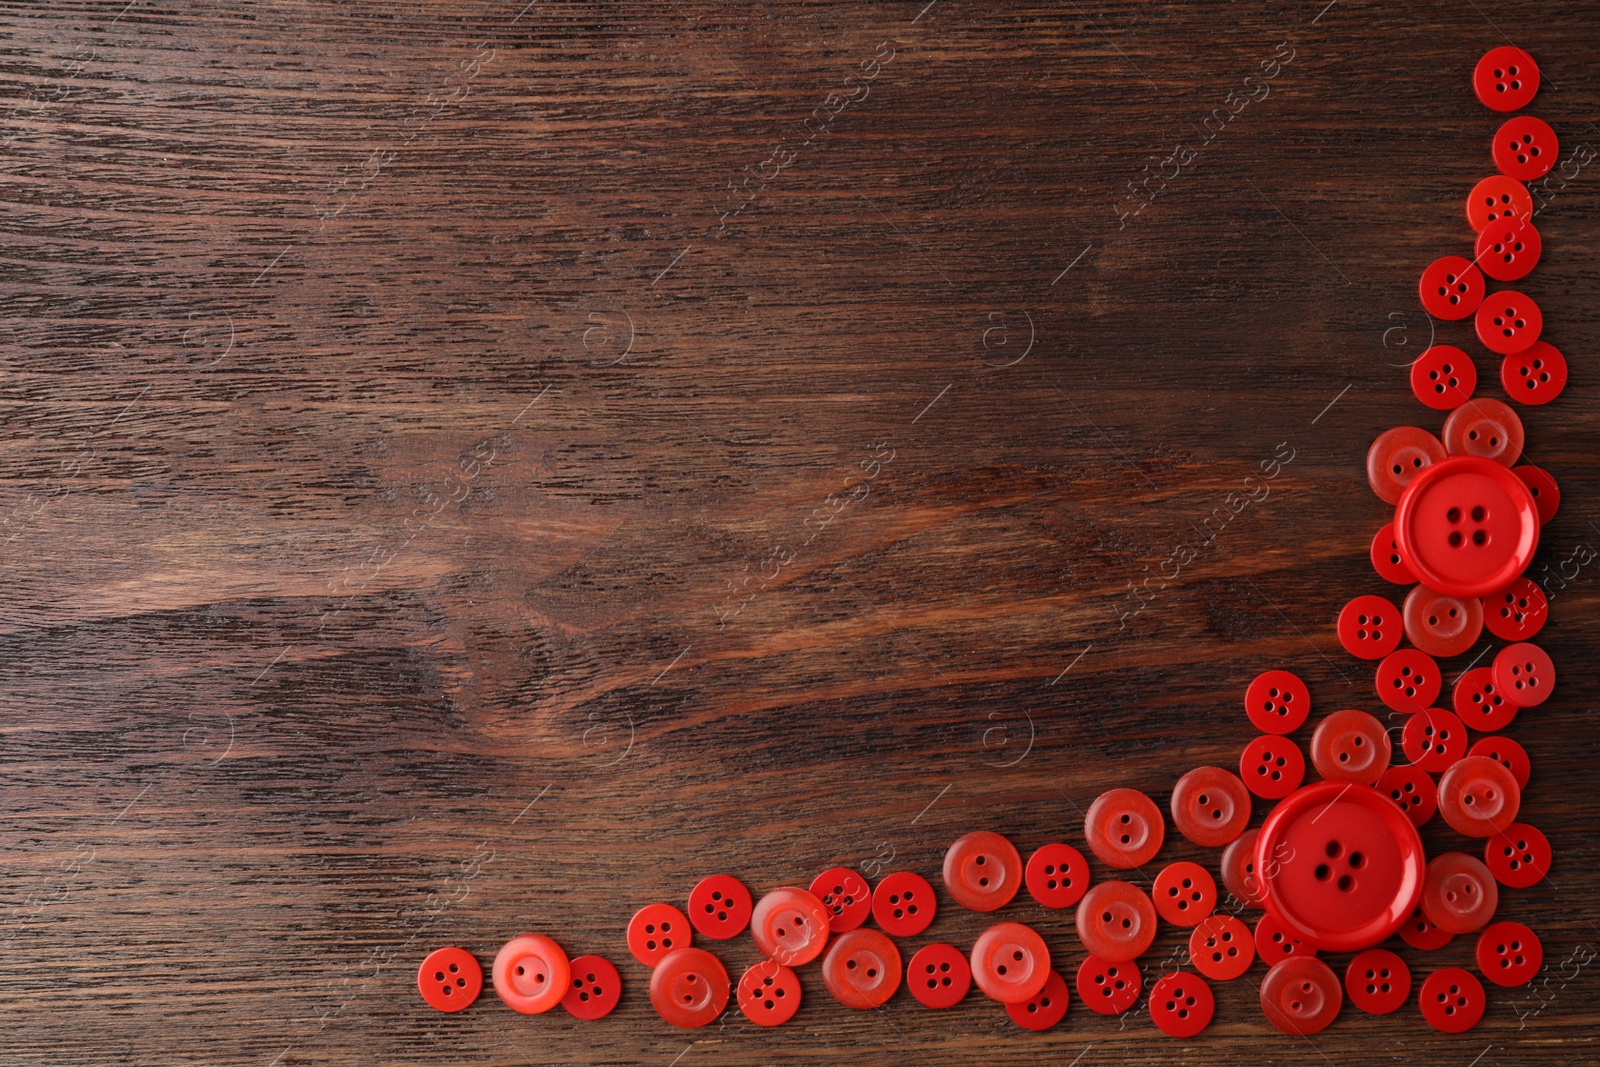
(1509, 954)
(1524, 674)
(719, 907)
(655, 930)
(1525, 148)
(789, 925)
(1274, 943)
(1124, 828)
(1369, 627)
(1485, 428)
(1210, 806)
(1181, 1004)
(1045, 1008)
(1301, 996)
(1497, 197)
(531, 974)
(1433, 740)
(1443, 377)
(1451, 288)
(1057, 875)
(1239, 870)
(1508, 754)
(1116, 921)
(1350, 746)
(689, 987)
(1408, 679)
(1386, 558)
(847, 897)
(939, 976)
(1452, 1000)
(450, 978)
(1413, 790)
(904, 904)
(1478, 797)
(1478, 704)
(1440, 625)
(1222, 947)
(1519, 857)
(1272, 767)
(1508, 322)
(596, 988)
(1397, 456)
(769, 994)
(1467, 526)
(1422, 935)
(1010, 962)
(1108, 987)
(1378, 981)
(861, 968)
(1459, 894)
(983, 871)
(1184, 893)
(1542, 485)
(1534, 376)
(1277, 702)
(1509, 249)
(1517, 612)
(1505, 78)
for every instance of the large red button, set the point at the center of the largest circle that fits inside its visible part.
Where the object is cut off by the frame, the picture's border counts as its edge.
(689, 987)
(1386, 558)
(1413, 790)
(450, 978)
(1272, 767)
(1408, 679)
(1517, 612)
(1369, 627)
(1509, 954)
(655, 930)
(983, 871)
(1534, 376)
(1274, 943)
(1505, 78)
(1397, 456)
(1479, 704)
(1124, 828)
(1239, 870)
(1350, 746)
(904, 904)
(1210, 806)
(1509, 249)
(1301, 996)
(939, 976)
(861, 969)
(1184, 893)
(1378, 981)
(1116, 921)
(769, 994)
(789, 925)
(1109, 987)
(1497, 197)
(1222, 948)
(1452, 1000)
(1181, 1005)
(1467, 526)
(1524, 674)
(847, 897)
(1485, 428)
(1441, 625)
(1010, 962)
(1451, 288)
(531, 973)
(1525, 148)
(1443, 377)
(1422, 935)
(719, 907)
(1045, 1008)
(1057, 875)
(1508, 322)
(596, 988)
(1542, 485)
(1433, 740)
(1507, 753)
(1459, 894)
(1478, 797)
(1519, 856)
(1277, 702)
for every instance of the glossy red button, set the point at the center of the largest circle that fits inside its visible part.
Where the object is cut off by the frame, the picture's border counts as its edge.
(596, 988)
(1408, 679)
(1369, 627)
(769, 994)
(1524, 674)
(1509, 249)
(450, 978)
(1412, 790)
(531, 973)
(655, 930)
(719, 907)
(1124, 828)
(1057, 875)
(1422, 935)
(1116, 921)
(939, 976)
(1497, 197)
(1272, 767)
(1274, 943)
(1350, 746)
(1509, 954)
(1508, 754)
(1222, 947)
(1534, 376)
(1277, 702)
(1459, 894)
(1433, 740)
(789, 925)
(1397, 456)
(1378, 981)
(1010, 962)
(1542, 485)
(1108, 987)
(1045, 1008)
(1239, 870)
(689, 987)
(1479, 705)
(1517, 612)
(1519, 857)
(1467, 526)
(1181, 1005)
(1508, 322)
(1210, 806)
(904, 904)
(1184, 893)
(1440, 625)
(847, 897)
(1451, 288)
(1478, 797)
(1301, 996)
(861, 968)
(1386, 559)
(1443, 377)
(1505, 78)
(983, 870)
(1525, 148)
(1485, 428)
(1452, 1000)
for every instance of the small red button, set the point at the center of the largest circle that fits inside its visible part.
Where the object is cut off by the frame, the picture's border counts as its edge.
(1010, 962)
(1277, 702)
(1222, 948)
(1509, 249)
(903, 904)
(719, 907)
(1459, 894)
(789, 925)
(1413, 790)
(1534, 376)
(1478, 797)
(847, 897)
(1386, 558)
(1181, 1005)
(1045, 1008)
(1408, 679)
(1478, 704)
(861, 968)
(1517, 612)
(1451, 288)
(450, 978)
(1378, 981)
(1497, 197)
(1274, 943)
(1272, 767)
(596, 988)
(1116, 921)
(1519, 857)
(769, 994)
(1509, 954)
(1422, 935)
(1124, 828)
(1542, 485)
(1301, 996)
(983, 871)
(1433, 740)
(689, 987)
(1108, 987)
(1057, 875)
(1350, 746)
(1525, 148)
(1369, 627)
(939, 976)
(1452, 1000)
(1397, 456)
(1485, 428)
(1524, 674)
(1210, 806)
(1239, 870)
(1505, 79)
(1508, 322)
(531, 974)
(1184, 893)
(1467, 526)
(1440, 625)
(655, 930)
(1443, 377)
(1508, 754)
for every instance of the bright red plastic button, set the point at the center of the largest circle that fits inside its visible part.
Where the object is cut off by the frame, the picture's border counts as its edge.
(1397, 456)
(789, 925)
(1277, 702)
(1525, 148)
(847, 897)
(1210, 806)
(939, 976)
(1010, 962)
(1451, 288)
(1508, 322)
(1422, 935)
(1508, 250)
(1301, 996)
(1440, 625)
(1109, 987)
(596, 988)
(861, 968)
(1478, 797)
(903, 904)
(1443, 377)
(1222, 948)
(1408, 679)
(1116, 921)
(1181, 1004)
(1369, 627)
(1508, 754)
(450, 978)
(689, 987)
(1045, 1008)
(719, 907)
(1378, 981)
(1509, 954)
(1478, 704)
(1350, 746)
(1413, 790)
(1497, 197)
(1524, 674)
(983, 871)
(769, 994)
(1505, 79)
(1386, 558)
(1459, 894)
(1517, 612)
(1184, 893)
(655, 930)
(1057, 875)
(1433, 740)
(1519, 856)
(1534, 376)
(531, 974)
(1272, 767)
(1124, 828)
(1239, 870)
(1467, 526)
(1274, 943)
(1542, 485)
(1452, 1000)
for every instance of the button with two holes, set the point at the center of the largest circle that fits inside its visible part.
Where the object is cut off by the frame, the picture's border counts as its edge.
(1301, 996)
(1010, 962)
(1210, 806)
(1045, 1008)
(1397, 456)
(1441, 625)
(531, 974)
(861, 968)
(1459, 893)
(1386, 559)
(1124, 828)
(982, 871)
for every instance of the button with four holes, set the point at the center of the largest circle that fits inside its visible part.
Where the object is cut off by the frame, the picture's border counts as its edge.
(939, 976)
(1408, 679)
(1350, 746)
(1181, 1004)
(1467, 526)
(450, 978)
(1116, 921)
(1442, 625)
(1184, 893)
(1517, 612)
(1277, 702)
(1124, 828)
(1413, 790)
(861, 968)
(769, 994)
(1210, 806)
(1108, 987)
(1495, 198)
(789, 925)
(1505, 79)
(1057, 875)
(1458, 893)
(1525, 148)
(1534, 376)
(1508, 322)
(719, 907)
(1274, 943)
(1519, 856)
(903, 904)
(655, 930)
(1010, 962)
(1397, 456)
(1301, 996)
(1045, 1008)
(1386, 558)
(847, 897)
(1433, 740)
(1524, 674)
(1451, 288)
(596, 988)
(1479, 704)
(1378, 981)
(1369, 627)
(1272, 767)
(531, 974)
(1443, 377)
(1423, 935)
(1508, 754)
(1222, 947)
(1542, 485)
(1509, 954)
(1452, 1000)
(1478, 797)
(1508, 249)
(689, 987)
(982, 871)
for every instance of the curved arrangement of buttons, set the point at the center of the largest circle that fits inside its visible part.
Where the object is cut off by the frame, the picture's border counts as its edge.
(1336, 867)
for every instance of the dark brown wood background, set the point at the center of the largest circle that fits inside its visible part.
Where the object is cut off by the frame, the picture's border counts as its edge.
(472, 468)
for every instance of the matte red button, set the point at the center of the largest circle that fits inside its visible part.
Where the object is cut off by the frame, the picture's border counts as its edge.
(689, 987)
(1181, 1005)
(1057, 875)
(1440, 625)
(1386, 559)
(1108, 987)
(1378, 981)
(1116, 921)
(1422, 935)
(1433, 740)
(1542, 485)
(655, 930)
(1412, 790)
(1301, 996)
(1277, 702)
(1124, 828)
(1508, 249)
(1479, 704)
(1505, 79)
(1010, 962)
(1525, 148)
(1184, 893)
(1350, 746)
(847, 897)
(1222, 948)
(596, 988)
(1478, 797)
(983, 871)
(1452, 1000)
(1508, 322)
(1459, 894)
(531, 973)
(769, 994)
(719, 907)
(1451, 288)
(861, 968)
(1397, 456)
(1517, 612)
(450, 978)
(939, 976)
(789, 925)
(1467, 526)
(1508, 754)
(1485, 428)
(1274, 943)
(1239, 870)
(903, 904)
(1045, 1008)
(1272, 767)
(1210, 806)
(1519, 857)
(1369, 627)
(1443, 377)
(1408, 679)
(1534, 376)
(1524, 674)
(1497, 197)
(1509, 954)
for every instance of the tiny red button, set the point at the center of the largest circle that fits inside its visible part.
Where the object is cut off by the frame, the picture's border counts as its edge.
(1350, 746)
(1534, 376)
(1508, 322)
(1222, 948)
(719, 907)
(1467, 526)
(847, 897)
(1479, 704)
(1378, 981)
(1116, 921)
(1386, 558)
(1369, 627)
(1508, 754)
(1408, 679)
(1239, 870)
(1458, 893)
(861, 968)
(1045, 1008)
(1274, 943)
(1509, 249)
(1422, 935)
(983, 871)
(1524, 674)
(903, 904)
(1485, 428)
(1517, 612)
(450, 978)
(1509, 954)
(1057, 875)
(769, 994)
(1433, 740)
(1525, 148)
(1010, 962)
(1277, 702)
(1397, 456)
(1301, 996)
(1478, 797)
(689, 987)
(1124, 828)
(596, 988)
(939, 976)
(1181, 1005)
(1497, 197)
(1505, 79)
(1413, 790)
(789, 925)
(1443, 377)
(531, 974)
(1210, 806)
(1542, 485)
(1440, 625)
(1451, 288)
(1109, 987)
(1519, 856)
(1184, 893)
(1452, 1000)
(1272, 767)
(655, 930)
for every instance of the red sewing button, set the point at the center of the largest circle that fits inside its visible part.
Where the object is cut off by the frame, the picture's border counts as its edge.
(1184, 893)
(861, 968)
(1239, 870)
(1301, 996)
(1517, 612)
(1451, 288)
(1124, 828)
(1441, 625)
(1508, 322)
(1422, 935)
(1222, 948)
(1525, 148)
(1045, 1008)
(1350, 746)
(1546, 493)
(1497, 197)
(1108, 987)
(1181, 1005)
(789, 925)
(1378, 981)
(596, 988)
(1116, 921)
(1459, 894)
(1350, 866)
(1479, 705)
(904, 904)
(1210, 806)
(1452, 1000)
(983, 870)
(1413, 790)
(1369, 627)
(1277, 702)
(655, 930)
(1508, 754)
(847, 897)
(1519, 856)
(1505, 79)
(769, 994)
(1478, 797)
(939, 976)
(1397, 456)
(1536, 375)
(1272, 767)
(1386, 558)
(450, 978)
(1408, 679)
(1524, 674)
(1509, 954)
(1468, 526)
(1485, 428)
(1443, 377)
(1433, 740)
(1057, 875)
(689, 987)
(1508, 250)
(1274, 943)
(1010, 962)
(719, 907)
(531, 974)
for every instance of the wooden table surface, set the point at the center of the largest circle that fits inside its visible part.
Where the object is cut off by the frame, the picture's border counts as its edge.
(480, 466)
